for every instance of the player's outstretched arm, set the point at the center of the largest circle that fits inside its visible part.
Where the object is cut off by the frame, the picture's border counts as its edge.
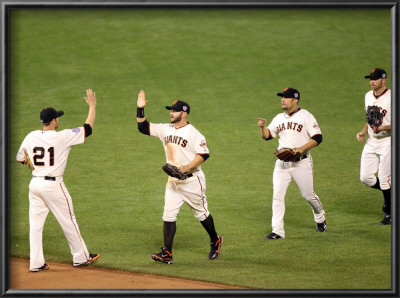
(141, 104)
(91, 101)
(143, 124)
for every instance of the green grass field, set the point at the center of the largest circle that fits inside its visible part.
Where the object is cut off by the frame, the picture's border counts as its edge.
(229, 65)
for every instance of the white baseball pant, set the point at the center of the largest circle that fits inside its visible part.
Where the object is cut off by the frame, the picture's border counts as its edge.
(303, 174)
(376, 158)
(45, 195)
(191, 191)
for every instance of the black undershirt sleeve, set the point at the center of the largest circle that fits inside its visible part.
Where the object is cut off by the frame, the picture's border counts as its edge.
(144, 127)
(317, 138)
(88, 130)
(205, 156)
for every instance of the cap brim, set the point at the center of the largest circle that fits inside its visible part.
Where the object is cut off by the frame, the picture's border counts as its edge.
(280, 94)
(60, 113)
(178, 109)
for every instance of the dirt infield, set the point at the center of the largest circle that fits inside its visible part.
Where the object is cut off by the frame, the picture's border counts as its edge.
(64, 276)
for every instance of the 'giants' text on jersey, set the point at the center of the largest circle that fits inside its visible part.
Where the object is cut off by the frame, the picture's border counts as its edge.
(181, 144)
(289, 125)
(294, 130)
(176, 140)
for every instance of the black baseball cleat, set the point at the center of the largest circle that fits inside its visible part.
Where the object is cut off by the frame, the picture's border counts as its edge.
(44, 267)
(92, 258)
(164, 256)
(387, 220)
(215, 248)
(321, 227)
(272, 236)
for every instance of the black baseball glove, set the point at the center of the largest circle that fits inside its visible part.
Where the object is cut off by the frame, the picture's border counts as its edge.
(173, 171)
(374, 117)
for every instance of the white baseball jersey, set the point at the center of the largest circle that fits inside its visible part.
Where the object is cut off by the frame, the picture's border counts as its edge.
(49, 149)
(294, 130)
(376, 155)
(182, 144)
(384, 103)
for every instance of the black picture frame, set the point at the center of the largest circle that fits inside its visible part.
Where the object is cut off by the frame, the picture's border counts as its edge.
(7, 6)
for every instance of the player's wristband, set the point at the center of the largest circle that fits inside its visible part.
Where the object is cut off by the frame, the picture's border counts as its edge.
(140, 112)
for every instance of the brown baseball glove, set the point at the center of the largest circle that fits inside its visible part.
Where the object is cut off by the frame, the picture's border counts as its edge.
(287, 154)
(173, 171)
(28, 161)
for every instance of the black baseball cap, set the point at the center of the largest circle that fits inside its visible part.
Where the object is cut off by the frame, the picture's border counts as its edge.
(48, 114)
(377, 73)
(179, 106)
(290, 93)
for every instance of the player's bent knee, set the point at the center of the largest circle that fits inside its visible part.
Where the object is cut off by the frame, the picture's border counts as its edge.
(202, 216)
(169, 218)
(368, 180)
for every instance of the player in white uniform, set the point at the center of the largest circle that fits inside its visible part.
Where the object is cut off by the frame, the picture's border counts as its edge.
(186, 148)
(296, 128)
(376, 154)
(48, 151)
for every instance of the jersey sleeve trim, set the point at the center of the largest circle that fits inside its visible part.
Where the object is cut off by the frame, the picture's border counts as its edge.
(205, 156)
(88, 130)
(317, 138)
(270, 137)
(144, 127)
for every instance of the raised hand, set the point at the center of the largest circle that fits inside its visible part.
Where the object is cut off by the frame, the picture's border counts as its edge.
(141, 101)
(90, 97)
(261, 122)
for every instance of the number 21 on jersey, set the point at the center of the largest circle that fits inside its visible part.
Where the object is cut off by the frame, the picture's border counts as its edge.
(39, 156)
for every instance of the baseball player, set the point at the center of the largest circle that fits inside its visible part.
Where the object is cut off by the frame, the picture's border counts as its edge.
(48, 152)
(186, 148)
(376, 153)
(296, 128)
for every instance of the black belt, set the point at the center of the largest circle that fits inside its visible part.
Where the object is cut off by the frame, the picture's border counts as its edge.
(300, 158)
(50, 178)
(190, 175)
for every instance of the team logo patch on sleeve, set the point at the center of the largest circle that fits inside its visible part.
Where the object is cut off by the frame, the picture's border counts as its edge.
(76, 130)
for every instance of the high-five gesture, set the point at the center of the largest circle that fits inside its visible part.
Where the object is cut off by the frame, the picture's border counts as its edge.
(91, 101)
(90, 97)
(141, 100)
(141, 103)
